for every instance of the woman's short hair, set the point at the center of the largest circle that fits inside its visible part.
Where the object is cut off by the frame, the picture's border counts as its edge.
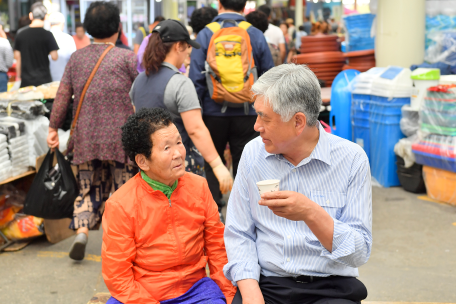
(202, 17)
(102, 19)
(259, 20)
(137, 131)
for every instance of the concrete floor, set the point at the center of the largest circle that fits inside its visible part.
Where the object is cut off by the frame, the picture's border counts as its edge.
(413, 259)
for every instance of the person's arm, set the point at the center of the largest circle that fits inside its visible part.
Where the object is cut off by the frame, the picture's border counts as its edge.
(199, 134)
(139, 37)
(9, 56)
(60, 106)
(346, 240)
(53, 47)
(189, 108)
(136, 48)
(118, 254)
(132, 62)
(54, 55)
(214, 245)
(240, 237)
(283, 51)
(197, 61)
(17, 56)
(201, 138)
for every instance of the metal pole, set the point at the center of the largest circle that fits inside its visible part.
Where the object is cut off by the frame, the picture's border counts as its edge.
(129, 23)
(299, 8)
(151, 11)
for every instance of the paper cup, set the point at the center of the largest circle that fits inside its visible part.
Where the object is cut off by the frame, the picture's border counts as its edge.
(270, 185)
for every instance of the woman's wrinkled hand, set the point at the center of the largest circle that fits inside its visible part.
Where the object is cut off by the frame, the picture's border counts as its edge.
(222, 174)
(53, 138)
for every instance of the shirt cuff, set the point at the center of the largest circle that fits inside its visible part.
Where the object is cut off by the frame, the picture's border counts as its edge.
(241, 271)
(343, 244)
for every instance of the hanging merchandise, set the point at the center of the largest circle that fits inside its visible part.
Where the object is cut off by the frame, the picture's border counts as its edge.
(53, 191)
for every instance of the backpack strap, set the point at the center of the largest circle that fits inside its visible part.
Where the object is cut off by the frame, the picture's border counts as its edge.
(143, 31)
(214, 27)
(244, 25)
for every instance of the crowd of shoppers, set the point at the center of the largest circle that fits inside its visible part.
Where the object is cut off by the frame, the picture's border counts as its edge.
(65, 43)
(32, 48)
(150, 134)
(6, 60)
(98, 154)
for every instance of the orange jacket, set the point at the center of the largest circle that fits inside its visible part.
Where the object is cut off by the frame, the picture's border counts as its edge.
(154, 249)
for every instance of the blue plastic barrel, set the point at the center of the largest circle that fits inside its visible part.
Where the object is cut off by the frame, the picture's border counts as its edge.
(385, 132)
(360, 121)
(339, 117)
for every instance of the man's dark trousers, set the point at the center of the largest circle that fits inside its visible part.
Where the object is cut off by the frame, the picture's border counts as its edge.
(235, 130)
(330, 290)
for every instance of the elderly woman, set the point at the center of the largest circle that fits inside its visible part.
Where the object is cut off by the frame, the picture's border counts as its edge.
(102, 164)
(162, 227)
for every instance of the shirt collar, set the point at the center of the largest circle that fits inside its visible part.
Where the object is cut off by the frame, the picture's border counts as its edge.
(169, 65)
(322, 150)
(231, 15)
(157, 186)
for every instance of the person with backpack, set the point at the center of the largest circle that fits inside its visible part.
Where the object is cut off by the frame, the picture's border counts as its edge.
(274, 35)
(162, 86)
(232, 55)
(260, 21)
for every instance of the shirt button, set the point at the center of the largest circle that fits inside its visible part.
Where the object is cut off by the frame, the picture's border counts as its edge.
(288, 260)
(294, 170)
(289, 236)
(327, 201)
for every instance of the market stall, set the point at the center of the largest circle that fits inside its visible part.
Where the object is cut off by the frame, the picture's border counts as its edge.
(23, 132)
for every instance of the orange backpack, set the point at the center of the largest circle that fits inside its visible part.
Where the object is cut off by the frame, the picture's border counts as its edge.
(230, 68)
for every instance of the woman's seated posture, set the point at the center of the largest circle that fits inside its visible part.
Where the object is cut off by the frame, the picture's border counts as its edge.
(162, 227)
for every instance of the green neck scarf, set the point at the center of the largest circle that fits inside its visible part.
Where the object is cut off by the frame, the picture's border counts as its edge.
(157, 186)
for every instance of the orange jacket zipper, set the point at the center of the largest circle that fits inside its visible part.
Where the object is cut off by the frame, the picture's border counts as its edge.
(179, 248)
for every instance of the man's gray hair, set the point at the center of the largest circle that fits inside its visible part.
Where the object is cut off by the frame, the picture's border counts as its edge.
(289, 89)
(38, 10)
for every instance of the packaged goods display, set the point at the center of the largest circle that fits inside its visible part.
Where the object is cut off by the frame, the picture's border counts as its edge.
(27, 109)
(49, 90)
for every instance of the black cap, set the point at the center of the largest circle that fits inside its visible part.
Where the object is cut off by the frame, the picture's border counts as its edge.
(172, 31)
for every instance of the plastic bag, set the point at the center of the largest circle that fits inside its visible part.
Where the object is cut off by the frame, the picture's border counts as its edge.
(24, 227)
(442, 48)
(404, 149)
(53, 190)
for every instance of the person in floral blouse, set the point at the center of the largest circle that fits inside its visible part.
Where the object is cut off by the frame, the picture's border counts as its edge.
(102, 163)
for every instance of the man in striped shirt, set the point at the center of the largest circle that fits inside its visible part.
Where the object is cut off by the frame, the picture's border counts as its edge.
(301, 244)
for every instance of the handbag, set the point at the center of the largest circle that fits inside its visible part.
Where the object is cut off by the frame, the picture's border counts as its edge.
(53, 190)
(70, 143)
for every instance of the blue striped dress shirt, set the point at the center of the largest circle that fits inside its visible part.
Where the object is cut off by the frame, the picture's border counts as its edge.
(336, 176)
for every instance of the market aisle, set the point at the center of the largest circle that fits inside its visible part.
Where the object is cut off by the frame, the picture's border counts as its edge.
(413, 258)
(414, 253)
(43, 273)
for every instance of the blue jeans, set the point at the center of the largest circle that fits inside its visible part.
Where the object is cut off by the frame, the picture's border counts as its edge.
(205, 291)
(3, 82)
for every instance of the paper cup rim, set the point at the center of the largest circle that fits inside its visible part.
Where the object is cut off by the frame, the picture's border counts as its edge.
(268, 182)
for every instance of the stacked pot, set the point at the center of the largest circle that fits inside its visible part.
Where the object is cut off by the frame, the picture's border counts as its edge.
(325, 65)
(360, 60)
(321, 54)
